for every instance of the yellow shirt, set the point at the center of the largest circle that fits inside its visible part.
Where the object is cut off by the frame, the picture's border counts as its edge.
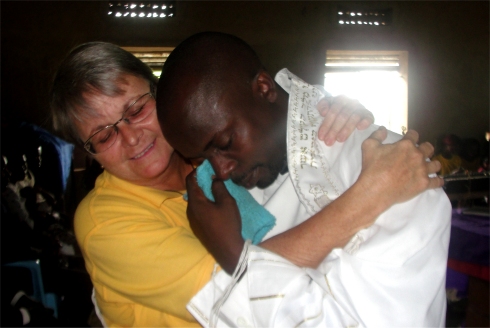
(143, 259)
(448, 165)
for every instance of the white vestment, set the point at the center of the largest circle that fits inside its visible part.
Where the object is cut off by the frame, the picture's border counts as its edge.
(391, 274)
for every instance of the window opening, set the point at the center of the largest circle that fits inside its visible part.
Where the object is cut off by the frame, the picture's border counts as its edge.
(364, 17)
(141, 9)
(154, 57)
(378, 79)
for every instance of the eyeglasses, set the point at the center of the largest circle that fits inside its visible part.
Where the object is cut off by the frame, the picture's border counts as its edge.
(104, 138)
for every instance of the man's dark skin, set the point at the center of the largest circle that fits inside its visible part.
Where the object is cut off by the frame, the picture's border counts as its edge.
(222, 105)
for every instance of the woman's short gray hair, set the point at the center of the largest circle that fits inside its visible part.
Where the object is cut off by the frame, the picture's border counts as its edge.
(91, 67)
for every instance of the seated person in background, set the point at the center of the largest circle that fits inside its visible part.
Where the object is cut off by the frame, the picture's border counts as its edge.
(484, 165)
(142, 257)
(470, 155)
(226, 108)
(448, 147)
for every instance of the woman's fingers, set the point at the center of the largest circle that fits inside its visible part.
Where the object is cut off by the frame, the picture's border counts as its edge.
(427, 149)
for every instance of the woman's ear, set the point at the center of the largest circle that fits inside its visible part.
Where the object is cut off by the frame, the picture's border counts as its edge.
(265, 86)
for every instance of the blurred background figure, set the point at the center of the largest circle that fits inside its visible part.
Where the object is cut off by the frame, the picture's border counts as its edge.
(447, 150)
(470, 155)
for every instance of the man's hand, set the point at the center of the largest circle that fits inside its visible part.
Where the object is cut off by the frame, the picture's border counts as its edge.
(397, 172)
(216, 224)
(342, 116)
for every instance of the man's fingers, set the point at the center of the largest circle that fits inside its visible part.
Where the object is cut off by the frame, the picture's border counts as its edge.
(193, 189)
(219, 190)
(191, 181)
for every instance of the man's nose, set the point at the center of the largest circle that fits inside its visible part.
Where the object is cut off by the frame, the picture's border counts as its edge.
(222, 166)
(130, 134)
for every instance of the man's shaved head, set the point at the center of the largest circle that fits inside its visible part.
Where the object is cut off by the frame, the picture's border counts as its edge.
(209, 61)
(215, 100)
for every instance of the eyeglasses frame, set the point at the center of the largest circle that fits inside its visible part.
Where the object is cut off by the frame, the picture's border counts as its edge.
(86, 143)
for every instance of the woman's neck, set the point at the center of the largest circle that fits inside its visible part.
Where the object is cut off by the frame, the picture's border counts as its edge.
(174, 176)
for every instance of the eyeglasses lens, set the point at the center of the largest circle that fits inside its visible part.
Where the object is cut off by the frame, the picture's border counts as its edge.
(139, 110)
(105, 138)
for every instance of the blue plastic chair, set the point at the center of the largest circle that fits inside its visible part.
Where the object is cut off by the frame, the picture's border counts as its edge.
(49, 300)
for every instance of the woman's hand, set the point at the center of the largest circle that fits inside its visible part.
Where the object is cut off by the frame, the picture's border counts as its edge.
(397, 172)
(342, 116)
(216, 224)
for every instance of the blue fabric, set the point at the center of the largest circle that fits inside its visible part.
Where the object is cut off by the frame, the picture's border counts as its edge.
(256, 220)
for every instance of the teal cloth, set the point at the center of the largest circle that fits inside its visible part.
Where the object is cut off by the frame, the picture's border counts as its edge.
(256, 220)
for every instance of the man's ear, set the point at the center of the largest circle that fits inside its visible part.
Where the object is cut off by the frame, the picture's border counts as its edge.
(264, 86)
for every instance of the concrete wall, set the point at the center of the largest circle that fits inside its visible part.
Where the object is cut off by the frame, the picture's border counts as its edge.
(447, 41)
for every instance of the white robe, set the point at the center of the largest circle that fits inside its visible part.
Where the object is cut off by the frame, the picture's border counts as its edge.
(391, 274)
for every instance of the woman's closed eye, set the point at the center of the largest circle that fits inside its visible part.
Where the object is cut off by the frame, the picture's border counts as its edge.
(137, 111)
(104, 136)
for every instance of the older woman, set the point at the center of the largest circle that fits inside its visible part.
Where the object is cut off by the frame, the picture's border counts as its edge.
(143, 259)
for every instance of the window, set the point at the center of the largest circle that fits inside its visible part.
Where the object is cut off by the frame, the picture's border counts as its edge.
(378, 79)
(364, 17)
(154, 57)
(141, 9)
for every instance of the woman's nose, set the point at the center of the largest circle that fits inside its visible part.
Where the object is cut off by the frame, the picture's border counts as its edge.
(130, 134)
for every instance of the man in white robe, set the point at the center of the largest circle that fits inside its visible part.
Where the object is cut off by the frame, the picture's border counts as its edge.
(389, 274)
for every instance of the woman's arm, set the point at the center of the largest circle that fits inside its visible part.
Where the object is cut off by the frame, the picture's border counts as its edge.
(390, 174)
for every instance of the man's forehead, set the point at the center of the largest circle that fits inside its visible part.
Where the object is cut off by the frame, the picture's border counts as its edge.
(191, 135)
(193, 142)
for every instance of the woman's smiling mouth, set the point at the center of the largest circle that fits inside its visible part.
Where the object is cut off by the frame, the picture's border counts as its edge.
(144, 151)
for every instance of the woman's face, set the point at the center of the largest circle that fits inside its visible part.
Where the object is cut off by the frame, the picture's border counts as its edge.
(140, 153)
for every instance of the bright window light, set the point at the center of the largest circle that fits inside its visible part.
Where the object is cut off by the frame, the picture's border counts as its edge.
(154, 57)
(148, 9)
(364, 16)
(382, 92)
(378, 79)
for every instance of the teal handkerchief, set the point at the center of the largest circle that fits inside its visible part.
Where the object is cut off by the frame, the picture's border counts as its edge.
(256, 220)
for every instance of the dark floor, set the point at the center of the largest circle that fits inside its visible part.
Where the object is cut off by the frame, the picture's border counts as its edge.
(471, 310)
